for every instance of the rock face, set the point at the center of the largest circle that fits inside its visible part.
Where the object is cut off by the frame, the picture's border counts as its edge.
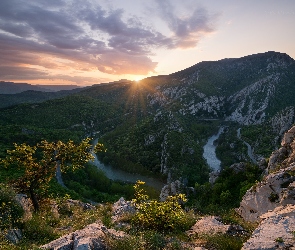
(26, 204)
(285, 155)
(277, 188)
(275, 231)
(272, 201)
(91, 237)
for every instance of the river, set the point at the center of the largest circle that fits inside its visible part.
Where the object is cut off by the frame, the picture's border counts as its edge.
(209, 151)
(118, 174)
(250, 150)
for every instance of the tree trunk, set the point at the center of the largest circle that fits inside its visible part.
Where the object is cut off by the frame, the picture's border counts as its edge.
(34, 199)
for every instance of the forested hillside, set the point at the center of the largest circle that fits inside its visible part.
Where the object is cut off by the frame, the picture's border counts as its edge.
(161, 124)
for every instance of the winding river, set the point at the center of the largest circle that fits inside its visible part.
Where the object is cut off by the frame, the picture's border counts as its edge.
(250, 151)
(209, 151)
(118, 174)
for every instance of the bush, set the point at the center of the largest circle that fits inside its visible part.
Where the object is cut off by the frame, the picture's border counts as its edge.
(11, 211)
(160, 216)
(38, 230)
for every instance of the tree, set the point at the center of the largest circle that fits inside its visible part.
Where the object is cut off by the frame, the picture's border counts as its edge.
(37, 164)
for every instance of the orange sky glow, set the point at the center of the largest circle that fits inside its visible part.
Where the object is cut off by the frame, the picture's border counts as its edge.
(90, 42)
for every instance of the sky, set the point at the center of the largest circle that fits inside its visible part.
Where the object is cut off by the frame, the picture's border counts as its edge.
(86, 42)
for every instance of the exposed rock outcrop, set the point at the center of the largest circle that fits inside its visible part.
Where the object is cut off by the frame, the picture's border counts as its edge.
(275, 231)
(121, 208)
(285, 155)
(173, 188)
(26, 203)
(212, 225)
(277, 188)
(91, 237)
(272, 201)
(14, 235)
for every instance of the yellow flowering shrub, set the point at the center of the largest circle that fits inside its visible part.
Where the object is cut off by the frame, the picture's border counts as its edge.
(157, 215)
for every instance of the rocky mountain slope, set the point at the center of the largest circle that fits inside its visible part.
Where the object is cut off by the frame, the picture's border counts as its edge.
(161, 123)
(270, 202)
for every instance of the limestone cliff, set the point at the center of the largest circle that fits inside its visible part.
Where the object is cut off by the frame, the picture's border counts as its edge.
(272, 201)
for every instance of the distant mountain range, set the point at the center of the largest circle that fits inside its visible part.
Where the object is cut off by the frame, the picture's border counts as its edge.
(161, 123)
(15, 88)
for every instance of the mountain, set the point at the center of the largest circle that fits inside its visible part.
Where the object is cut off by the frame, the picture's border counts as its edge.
(14, 88)
(161, 123)
(32, 96)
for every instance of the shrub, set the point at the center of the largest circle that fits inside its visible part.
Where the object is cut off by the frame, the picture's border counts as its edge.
(11, 211)
(159, 216)
(38, 230)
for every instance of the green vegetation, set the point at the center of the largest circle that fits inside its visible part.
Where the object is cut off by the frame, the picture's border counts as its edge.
(37, 165)
(10, 210)
(227, 191)
(160, 216)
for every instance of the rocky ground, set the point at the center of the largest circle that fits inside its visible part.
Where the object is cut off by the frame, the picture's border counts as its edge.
(270, 203)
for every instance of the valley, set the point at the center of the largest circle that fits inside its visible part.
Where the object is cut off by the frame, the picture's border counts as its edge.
(170, 131)
(161, 124)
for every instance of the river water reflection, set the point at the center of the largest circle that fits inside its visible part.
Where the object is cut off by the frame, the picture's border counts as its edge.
(118, 174)
(209, 151)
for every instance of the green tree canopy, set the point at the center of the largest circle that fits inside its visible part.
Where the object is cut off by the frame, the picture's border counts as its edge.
(38, 164)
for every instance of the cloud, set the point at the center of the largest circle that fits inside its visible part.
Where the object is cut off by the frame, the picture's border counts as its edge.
(38, 36)
(188, 29)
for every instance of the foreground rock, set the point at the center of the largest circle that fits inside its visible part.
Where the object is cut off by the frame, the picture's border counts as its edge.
(278, 189)
(121, 209)
(92, 237)
(276, 231)
(212, 225)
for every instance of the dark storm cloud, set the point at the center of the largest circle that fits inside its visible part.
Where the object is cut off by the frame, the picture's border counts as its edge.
(34, 32)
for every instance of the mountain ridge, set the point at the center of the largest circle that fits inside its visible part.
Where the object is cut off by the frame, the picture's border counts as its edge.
(162, 122)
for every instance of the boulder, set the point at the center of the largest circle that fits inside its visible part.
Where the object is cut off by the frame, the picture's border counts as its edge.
(275, 231)
(26, 203)
(92, 237)
(208, 225)
(275, 190)
(121, 208)
(14, 236)
(238, 167)
(173, 188)
(213, 176)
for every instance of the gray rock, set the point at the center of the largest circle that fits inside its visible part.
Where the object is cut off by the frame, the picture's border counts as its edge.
(14, 235)
(208, 225)
(173, 188)
(275, 231)
(276, 190)
(213, 176)
(91, 237)
(26, 203)
(120, 208)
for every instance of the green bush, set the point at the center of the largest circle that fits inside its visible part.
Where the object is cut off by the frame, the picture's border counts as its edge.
(38, 230)
(10, 210)
(160, 216)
